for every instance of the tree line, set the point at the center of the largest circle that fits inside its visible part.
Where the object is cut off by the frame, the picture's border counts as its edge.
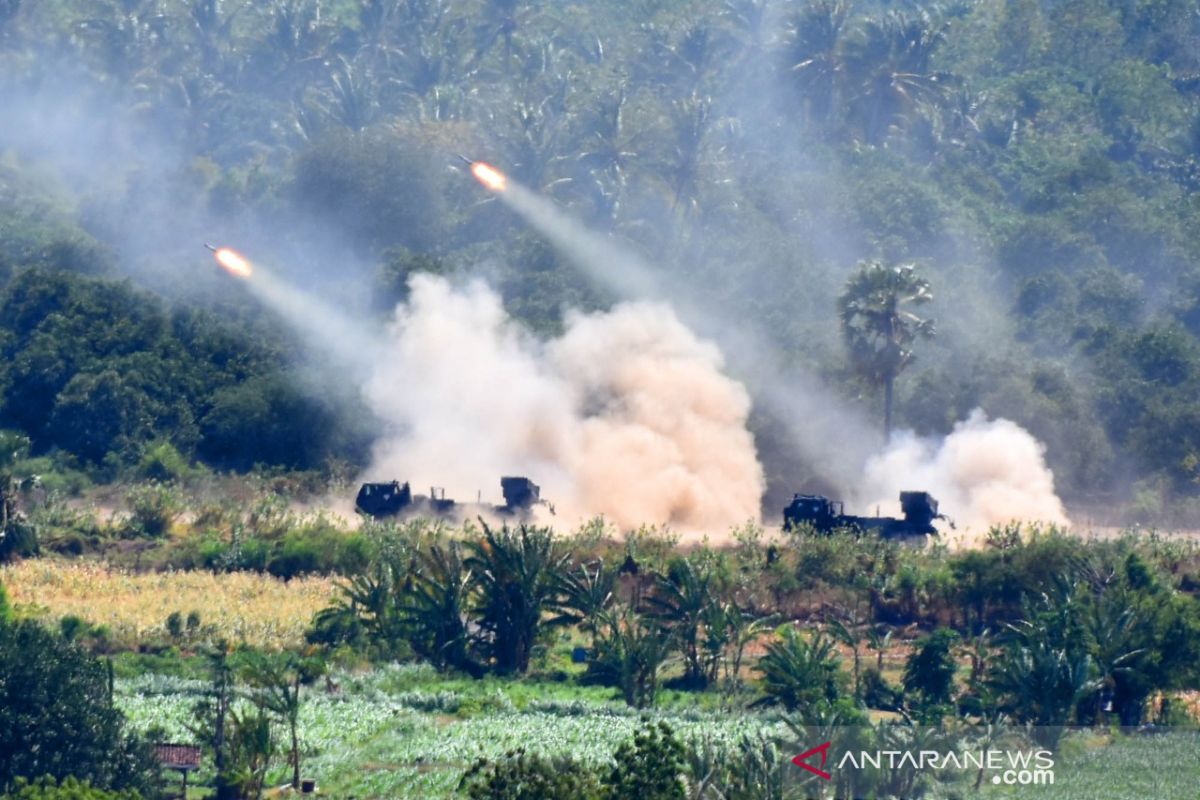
(1036, 158)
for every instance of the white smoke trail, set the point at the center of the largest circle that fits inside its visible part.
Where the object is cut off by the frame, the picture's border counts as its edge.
(984, 473)
(627, 414)
(319, 324)
(832, 435)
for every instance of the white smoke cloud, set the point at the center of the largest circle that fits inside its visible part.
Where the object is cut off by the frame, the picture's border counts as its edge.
(627, 414)
(984, 473)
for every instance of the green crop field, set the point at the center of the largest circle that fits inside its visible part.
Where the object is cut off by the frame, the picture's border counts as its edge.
(404, 732)
(401, 731)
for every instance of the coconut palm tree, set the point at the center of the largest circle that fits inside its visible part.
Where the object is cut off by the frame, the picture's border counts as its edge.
(878, 329)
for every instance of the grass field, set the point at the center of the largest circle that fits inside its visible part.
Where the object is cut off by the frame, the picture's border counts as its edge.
(241, 607)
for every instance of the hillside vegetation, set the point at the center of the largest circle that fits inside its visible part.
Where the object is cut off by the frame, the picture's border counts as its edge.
(1039, 161)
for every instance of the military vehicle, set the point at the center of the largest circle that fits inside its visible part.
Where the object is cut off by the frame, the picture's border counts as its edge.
(825, 515)
(397, 499)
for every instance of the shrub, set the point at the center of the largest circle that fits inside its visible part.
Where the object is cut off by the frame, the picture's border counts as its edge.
(175, 625)
(521, 776)
(18, 539)
(153, 508)
(929, 671)
(877, 693)
(47, 788)
(649, 767)
(162, 462)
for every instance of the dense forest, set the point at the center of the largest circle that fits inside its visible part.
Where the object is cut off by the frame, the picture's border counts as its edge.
(1037, 161)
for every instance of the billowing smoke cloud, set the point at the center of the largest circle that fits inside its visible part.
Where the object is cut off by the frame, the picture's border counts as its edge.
(627, 414)
(986, 472)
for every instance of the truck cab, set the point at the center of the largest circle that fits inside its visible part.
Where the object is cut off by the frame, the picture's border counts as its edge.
(814, 509)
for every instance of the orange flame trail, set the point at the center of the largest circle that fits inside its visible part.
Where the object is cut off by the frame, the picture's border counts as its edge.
(233, 262)
(489, 176)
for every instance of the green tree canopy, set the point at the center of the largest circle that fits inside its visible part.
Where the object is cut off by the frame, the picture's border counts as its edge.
(57, 718)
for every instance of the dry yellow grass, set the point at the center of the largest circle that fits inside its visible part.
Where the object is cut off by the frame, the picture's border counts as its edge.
(242, 607)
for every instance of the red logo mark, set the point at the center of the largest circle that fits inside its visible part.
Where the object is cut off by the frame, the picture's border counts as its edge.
(802, 760)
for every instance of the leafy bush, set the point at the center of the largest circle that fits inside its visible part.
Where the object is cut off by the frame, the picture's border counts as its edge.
(162, 462)
(649, 767)
(19, 538)
(153, 508)
(521, 776)
(878, 693)
(929, 671)
(47, 788)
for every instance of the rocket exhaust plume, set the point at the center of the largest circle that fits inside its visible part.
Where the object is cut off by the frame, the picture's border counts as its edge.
(489, 176)
(232, 261)
(322, 327)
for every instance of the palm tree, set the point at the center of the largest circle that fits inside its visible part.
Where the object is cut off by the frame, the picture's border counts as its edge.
(850, 633)
(519, 575)
(877, 328)
(212, 30)
(607, 150)
(878, 639)
(1117, 631)
(889, 73)
(436, 608)
(295, 43)
(352, 98)
(588, 592)
(801, 674)
(279, 679)
(1041, 684)
(680, 600)
(374, 599)
(812, 52)
(630, 651)
(739, 628)
(690, 119)
(129, 41)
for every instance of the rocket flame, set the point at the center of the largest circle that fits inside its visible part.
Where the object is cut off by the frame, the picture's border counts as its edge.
(233, 262)
(489, 176)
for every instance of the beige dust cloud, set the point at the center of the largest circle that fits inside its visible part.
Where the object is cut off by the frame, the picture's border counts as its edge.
(986, 472)
(627, 414)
